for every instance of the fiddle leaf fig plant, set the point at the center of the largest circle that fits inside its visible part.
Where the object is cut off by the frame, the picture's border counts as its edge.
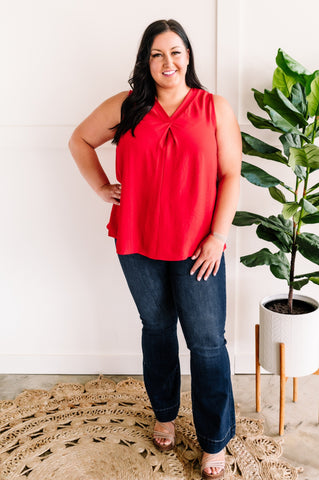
(292, 111)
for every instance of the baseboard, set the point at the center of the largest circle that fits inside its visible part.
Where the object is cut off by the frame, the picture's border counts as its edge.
(98, 364)
(245, 364)
(78, 364)
(101, 364)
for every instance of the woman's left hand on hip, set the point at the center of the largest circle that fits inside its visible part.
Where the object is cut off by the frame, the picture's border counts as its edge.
(207, 255)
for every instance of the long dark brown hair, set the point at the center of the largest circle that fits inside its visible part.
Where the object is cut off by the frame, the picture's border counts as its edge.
(142, 98)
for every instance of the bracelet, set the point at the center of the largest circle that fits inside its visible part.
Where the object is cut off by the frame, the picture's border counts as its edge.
(220, 237)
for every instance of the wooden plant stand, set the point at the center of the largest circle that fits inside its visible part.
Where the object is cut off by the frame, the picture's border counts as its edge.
(283, 380)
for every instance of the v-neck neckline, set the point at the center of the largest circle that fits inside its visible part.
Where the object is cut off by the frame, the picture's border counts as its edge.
(180, 107)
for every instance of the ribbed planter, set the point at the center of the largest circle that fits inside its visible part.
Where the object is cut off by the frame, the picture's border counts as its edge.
(299, 333)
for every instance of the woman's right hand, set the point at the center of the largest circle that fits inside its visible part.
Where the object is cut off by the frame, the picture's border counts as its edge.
(111, 193)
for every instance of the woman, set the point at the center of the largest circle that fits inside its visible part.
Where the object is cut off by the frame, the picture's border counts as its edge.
(178, 167)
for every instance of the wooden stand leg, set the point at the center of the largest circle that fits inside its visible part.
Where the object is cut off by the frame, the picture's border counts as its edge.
(257, 369)
(282, 389)
(295, 391)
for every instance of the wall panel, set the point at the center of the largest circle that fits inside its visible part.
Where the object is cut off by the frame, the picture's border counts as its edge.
(65, 306)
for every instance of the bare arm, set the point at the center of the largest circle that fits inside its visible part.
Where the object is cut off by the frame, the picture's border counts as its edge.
(208, 253)
(90, 134)
(229, 166)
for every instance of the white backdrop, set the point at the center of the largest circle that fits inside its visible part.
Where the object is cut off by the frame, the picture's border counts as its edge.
(64, 303)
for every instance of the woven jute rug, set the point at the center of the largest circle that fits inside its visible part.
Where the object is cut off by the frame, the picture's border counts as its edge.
(103, 431)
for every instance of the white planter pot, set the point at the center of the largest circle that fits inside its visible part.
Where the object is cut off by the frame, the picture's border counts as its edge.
(299, 333)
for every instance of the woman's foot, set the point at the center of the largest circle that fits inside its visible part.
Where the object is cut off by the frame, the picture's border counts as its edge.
(164, 435)
(213, 465)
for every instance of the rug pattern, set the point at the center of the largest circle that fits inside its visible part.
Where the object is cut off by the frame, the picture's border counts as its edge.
(103, 431)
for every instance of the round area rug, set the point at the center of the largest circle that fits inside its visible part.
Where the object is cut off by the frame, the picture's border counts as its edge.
(103, 431)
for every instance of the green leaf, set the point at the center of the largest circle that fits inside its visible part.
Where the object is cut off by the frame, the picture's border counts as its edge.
(276, 230)
(284, 107)
(292, 68)
(277, 194)
(308, 275)
(309, 80)
(298, 284)
(307, 156)
(259, 97)
(262, 123)
(289, 209)
(278, 262)
(244, 219)
(311, 189)
(257, 176)
(314, 199)
(308, 246)
(313, 218)
(282, 81)
(313, 98)
(303, 279)
(290, 140)
(278, 124)
(296, 217)
(309, 130)
(279, 238)
(280, 271)
(255, 147)
(263, 257)
(298, 98)
(301, 172)
(279, 223)
(283, 125)
(307, 206)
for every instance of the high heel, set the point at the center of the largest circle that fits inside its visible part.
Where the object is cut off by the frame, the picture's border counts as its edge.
(168, 434)
(212, 461)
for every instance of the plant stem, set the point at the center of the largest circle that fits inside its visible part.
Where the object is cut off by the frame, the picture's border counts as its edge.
(314, 130)
(304, 193)
(296, 231)
(292, 276)
(293, 252)
(292, 267)
(297, 227)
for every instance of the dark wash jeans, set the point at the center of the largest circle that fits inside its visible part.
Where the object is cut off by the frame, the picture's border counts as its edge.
(163, 292)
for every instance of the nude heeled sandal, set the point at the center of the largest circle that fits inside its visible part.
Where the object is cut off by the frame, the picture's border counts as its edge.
(212, 462)
(169, 434)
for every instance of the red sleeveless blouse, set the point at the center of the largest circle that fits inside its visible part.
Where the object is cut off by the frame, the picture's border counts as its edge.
(168, 173)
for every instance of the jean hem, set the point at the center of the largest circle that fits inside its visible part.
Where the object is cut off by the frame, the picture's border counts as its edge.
(166, 414)
(215, 446)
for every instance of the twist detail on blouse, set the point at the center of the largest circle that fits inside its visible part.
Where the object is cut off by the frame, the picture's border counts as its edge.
(168, 173)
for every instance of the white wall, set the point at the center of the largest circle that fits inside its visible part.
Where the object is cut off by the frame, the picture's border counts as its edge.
(64, 304)
(263, 28)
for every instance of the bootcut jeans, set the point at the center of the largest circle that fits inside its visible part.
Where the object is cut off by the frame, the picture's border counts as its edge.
(164, 291)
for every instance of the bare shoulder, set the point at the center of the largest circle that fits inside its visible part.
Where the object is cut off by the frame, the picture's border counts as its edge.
(117, 99)
(228, 137)
(222, 106)
(111, 107)
(225, 115)
(98, 127)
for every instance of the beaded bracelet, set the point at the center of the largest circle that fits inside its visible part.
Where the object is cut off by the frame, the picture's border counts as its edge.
(220, 237)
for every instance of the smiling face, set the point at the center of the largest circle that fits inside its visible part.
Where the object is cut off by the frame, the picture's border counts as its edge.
(168, 61)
